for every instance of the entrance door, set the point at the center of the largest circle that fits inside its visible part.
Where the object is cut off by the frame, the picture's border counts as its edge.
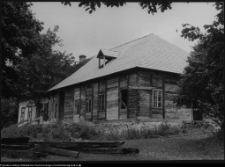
(61, 105)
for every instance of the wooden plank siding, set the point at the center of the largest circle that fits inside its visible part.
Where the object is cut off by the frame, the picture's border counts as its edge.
(88, 115)
(95, 101)
(76, 105)
(123, 85)
(102, 89)
(112, 99)
(133, 96)
(68, 109)
(144, 95)
(82, 102)
(139, 95)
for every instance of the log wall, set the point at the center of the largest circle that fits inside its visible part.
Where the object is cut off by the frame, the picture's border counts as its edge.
(112, 99)
(102, 89)
(69, 98)
(143, 80)
(133, 98)
(88, 115)
(82, 102)
(95, 101)
(122, 86)
(139, 98)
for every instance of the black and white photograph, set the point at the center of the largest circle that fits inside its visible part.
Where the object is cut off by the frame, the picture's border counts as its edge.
(116, 81)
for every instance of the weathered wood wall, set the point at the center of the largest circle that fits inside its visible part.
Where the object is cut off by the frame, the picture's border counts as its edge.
(140, 104)
(82, 102)
(68, 105)
(143, 80)
(102, 89)
(69, 98)
(76, 101)
(112, 99)
(122, 85)
(95, 101)
(88, 115)
(133, 98)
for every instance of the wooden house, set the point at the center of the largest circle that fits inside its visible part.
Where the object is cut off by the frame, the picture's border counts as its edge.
(136, 80)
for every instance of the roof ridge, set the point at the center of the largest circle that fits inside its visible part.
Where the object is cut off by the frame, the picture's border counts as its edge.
(132, 41)
(171, 44)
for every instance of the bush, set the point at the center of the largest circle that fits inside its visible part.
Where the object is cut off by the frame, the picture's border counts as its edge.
(87, 133)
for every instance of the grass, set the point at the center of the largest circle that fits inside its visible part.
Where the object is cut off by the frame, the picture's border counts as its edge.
(64, 132)
(165, 142)
(156, 149)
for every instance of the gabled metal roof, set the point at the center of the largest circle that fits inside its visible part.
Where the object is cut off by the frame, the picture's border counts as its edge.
(150, 52)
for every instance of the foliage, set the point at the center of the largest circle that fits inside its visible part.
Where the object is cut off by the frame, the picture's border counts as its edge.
(151, 6)
(20, 38)
(9, 112)
(28, 60)
(36, 72)
(201, 85)
(23, 45)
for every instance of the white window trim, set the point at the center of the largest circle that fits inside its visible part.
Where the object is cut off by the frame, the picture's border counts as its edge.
(157, 95)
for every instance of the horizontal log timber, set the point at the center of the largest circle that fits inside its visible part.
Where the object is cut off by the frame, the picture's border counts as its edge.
(141, 87)
(20, 146)
(18, 153)
(58, 151)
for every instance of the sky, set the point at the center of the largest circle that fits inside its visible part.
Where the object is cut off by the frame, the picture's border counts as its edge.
(105, 28)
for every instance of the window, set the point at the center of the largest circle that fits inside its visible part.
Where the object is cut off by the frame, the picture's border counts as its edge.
(101, 102)
(89, 105)
(106, 56)
(123, 104)
(22, 114)
(157, 98)
(29, 113)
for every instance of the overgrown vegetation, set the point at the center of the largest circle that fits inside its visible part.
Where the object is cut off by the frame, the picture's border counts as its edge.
(202, 84)
(62, 132)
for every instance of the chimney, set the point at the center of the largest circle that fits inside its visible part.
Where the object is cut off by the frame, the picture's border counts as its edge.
(82, 58)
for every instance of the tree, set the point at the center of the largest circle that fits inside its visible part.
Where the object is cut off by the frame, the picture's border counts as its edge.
(20, 38)
(151, 6)
(202, 84)
(9, 114)
(28, 59)
(36, 72)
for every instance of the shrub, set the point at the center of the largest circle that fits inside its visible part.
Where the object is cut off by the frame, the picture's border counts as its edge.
(87, 132)
(113, 135)
(133, 133)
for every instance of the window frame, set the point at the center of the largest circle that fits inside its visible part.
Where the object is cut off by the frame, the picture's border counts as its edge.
(89, 105)
(157, 102)
(101, 102)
